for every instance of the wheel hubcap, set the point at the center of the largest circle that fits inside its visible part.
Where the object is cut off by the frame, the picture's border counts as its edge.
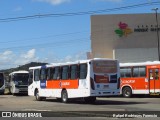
(127, 93)
(64, 97)
(37, 95)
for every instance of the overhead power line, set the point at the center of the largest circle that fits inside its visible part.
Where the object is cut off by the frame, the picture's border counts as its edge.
(47, 36)
(70, 34)
(51, 44)
(76, 13)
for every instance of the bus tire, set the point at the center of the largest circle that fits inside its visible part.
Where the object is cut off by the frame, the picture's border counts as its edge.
(127, 92)
(64, 96)
(90, 99)
(38, 98)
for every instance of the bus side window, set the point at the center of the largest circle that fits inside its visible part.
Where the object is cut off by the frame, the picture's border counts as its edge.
(56, 73)
(156, 74)
(43, 74)
(135, 72)
(48, 74)
(139, 71)
(142, 71)
(151, 74)
(125, 72)
(51, 73)
(82, 71)
(65, 72)
(36, 75)
(74, 71)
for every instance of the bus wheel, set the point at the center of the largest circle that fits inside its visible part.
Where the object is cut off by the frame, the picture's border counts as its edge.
(38, 98)
(127, 92)
(89, 99)
(64, 96)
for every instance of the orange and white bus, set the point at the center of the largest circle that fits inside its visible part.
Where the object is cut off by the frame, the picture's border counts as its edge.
(86, 79)
(140, 78)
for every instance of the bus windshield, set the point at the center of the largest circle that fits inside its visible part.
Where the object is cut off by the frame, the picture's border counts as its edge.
(1, 80)
(21, 78)
(103, 66)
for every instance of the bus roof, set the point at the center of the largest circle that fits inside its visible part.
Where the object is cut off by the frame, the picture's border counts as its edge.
(140, 63)
(20, 71)
(68, 63)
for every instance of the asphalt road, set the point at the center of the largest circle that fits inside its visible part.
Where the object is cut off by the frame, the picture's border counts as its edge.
(78, 108)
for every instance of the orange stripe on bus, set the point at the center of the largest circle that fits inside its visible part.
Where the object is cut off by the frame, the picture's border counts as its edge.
(58, 84)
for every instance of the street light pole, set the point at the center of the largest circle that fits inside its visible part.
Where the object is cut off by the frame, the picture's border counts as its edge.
(156, 9)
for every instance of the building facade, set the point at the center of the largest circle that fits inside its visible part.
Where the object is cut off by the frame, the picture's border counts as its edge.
(126, 37)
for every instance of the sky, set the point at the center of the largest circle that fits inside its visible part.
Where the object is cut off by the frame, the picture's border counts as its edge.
(61, 35)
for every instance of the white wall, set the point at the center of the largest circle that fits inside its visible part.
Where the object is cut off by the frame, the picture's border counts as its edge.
(136, 54)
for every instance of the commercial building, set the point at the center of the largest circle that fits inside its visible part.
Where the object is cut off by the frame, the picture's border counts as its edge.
(126, 37)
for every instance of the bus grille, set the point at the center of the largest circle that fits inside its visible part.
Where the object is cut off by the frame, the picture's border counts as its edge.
(17, 86)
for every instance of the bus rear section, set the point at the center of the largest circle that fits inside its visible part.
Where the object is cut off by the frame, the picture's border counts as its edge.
(104, 78)
(18, 81)
(2, 83)
(140, 78)
(86, 79)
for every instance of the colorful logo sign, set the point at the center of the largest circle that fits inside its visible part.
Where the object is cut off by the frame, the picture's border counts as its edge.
(123, 29)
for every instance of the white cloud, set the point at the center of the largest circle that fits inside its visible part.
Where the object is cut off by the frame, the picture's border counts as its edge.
(30, 54)
(6, 56)
(10, 59)
(24, 58)
(5, 53)
(6, 59)
(53, 2)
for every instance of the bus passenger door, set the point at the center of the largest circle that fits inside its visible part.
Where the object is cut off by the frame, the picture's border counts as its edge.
(30, 83)
(154, 81)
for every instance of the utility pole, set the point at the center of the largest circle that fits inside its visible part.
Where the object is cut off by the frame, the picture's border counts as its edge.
(156, 9)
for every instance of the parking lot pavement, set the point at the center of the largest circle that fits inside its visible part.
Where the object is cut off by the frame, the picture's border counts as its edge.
(23, 102)
(78, 107)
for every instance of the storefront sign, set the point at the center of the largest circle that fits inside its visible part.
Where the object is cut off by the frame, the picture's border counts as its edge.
(146, 29)
(124, 30)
